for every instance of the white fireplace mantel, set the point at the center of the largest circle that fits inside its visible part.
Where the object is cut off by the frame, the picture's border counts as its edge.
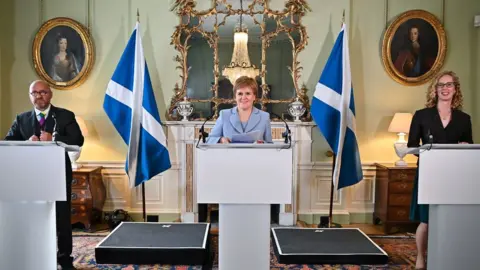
(182, 137)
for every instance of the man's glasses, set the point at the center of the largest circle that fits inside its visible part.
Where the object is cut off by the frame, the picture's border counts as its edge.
(40, 93)
(448, 85)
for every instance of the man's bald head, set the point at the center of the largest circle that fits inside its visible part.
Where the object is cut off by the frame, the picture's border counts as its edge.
(40, 94)
(39, 83)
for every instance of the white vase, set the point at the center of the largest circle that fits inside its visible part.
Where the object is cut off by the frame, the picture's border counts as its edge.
(74, 157)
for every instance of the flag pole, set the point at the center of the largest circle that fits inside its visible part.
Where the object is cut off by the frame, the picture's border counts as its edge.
(334, 159)
(332, 185)
(143, 183)
(143, 202)
(330, 213)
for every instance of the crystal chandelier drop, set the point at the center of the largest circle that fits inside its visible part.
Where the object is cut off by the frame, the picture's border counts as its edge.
(240, 64)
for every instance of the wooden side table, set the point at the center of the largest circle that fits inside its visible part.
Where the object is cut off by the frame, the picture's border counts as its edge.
(393, 195)
(88, 196)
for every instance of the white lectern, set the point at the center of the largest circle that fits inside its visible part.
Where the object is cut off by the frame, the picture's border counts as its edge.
(33, 178)
(449, 182)
(244, 179)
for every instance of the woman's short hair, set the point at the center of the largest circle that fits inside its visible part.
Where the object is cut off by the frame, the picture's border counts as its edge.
(245, 81)
(432, 95)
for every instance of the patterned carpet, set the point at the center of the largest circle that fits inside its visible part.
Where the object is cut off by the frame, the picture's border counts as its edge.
(401, 251)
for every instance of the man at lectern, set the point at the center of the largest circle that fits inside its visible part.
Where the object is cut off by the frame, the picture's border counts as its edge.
(442, 121)
(243, 119)
(38, 125)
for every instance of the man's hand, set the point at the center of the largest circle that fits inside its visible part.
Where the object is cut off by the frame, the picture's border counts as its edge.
(45, 136)
(34, 138)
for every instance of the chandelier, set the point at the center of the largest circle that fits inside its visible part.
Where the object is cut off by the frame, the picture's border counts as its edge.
(240, 64)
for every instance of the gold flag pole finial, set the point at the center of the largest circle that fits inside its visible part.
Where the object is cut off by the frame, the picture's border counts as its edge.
(138, 16)
(343, 17)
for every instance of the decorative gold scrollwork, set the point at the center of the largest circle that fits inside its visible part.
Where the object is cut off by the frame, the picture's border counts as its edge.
(293, 11)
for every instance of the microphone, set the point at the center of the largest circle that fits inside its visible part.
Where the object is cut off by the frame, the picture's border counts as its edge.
(55, 131)
(202, 134)
(430, 139)
(35, 129)
(287, 133)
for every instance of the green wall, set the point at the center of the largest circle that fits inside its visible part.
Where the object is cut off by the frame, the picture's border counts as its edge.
(111, 22)
(6, 61)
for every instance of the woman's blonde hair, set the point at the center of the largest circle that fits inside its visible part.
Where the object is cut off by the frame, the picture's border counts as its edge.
(432, 96)
(245, 81)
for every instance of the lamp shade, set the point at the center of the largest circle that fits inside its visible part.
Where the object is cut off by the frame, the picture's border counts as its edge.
(400, 123)
(83, 126)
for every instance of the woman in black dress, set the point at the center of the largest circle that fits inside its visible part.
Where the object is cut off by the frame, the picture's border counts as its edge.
(442, 121)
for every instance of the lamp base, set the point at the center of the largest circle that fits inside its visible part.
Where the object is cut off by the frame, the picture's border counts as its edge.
(401, 163)
(400, 148)
(76, 165)
(73, 159)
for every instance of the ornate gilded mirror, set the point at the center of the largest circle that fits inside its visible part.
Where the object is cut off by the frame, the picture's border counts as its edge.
(217, 40)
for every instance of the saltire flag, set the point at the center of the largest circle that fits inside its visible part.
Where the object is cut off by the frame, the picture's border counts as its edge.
(333, 110)
(130, 105)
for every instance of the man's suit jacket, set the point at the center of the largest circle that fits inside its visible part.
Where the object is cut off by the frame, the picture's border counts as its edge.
(228, 124)
(26, 125)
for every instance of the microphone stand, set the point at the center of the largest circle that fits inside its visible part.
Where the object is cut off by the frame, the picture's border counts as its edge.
(287, 133)
(430, 139)
(202, 135)
(55, 131)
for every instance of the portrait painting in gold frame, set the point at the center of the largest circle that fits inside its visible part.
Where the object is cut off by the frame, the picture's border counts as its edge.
(63, 53)
(414, 47)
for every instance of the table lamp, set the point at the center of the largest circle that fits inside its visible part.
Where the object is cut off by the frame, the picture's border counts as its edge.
(75, 155)
(401, 125)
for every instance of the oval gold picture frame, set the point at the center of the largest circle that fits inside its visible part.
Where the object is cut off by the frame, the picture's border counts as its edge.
(63, 53)
(412, 64)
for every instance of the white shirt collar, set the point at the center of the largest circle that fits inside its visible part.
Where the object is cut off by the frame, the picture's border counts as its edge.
(37, 111)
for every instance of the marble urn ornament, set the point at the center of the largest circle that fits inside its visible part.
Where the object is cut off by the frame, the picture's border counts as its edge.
(296, 109)
(185, 108)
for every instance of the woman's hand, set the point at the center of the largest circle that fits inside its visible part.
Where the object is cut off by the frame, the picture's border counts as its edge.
(224, 140)
(259, 141)
(463, 142)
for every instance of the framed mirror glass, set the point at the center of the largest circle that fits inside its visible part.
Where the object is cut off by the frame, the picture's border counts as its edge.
(214, 36)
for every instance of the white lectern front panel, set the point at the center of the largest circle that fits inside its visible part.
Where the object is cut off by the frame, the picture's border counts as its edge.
(32, 173)
(244, 175)
(449, 176)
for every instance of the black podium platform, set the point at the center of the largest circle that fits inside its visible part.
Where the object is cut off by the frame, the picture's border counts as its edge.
(156, 243)
(326, 246)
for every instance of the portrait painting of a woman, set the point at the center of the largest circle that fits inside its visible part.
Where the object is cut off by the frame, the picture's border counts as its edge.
(63, 53)
(65, 66)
